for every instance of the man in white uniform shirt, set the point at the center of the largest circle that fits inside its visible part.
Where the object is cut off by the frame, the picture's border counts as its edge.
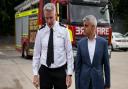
(53, 57)
(92, 63)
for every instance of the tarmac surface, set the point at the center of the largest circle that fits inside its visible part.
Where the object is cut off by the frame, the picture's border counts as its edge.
(16, 72)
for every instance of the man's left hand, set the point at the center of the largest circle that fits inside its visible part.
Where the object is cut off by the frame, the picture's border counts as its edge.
(68, 81)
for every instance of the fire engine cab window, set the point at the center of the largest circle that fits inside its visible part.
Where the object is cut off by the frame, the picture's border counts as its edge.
(82, 11)
(89, 0)
(63, 13)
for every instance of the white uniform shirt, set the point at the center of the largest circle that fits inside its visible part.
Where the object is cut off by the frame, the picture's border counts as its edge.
(91, 48)
(62, 48)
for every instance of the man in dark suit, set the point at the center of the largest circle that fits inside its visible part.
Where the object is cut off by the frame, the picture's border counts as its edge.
(92, 64)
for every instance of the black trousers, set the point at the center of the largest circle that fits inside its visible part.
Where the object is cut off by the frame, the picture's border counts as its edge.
(52, 77)
(90, 84)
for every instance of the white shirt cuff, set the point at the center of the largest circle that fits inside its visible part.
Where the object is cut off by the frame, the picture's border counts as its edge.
(35, 72)
(69, 72)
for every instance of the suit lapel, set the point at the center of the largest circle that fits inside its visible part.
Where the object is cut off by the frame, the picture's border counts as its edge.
(96, 47)
(87, 51)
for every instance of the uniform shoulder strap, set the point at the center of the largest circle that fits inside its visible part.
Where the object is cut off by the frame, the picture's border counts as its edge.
(62, 25)
(42, 26)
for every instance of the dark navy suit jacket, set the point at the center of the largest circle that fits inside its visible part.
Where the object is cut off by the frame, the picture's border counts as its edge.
(98, 71)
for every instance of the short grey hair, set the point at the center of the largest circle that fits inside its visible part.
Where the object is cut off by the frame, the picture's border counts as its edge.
(49, 7)
(90, 18)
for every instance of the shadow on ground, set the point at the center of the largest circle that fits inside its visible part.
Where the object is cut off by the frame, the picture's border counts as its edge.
(16, 86)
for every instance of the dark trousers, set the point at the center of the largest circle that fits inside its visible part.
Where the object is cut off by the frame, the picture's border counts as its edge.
(52, 77)
(90, 84)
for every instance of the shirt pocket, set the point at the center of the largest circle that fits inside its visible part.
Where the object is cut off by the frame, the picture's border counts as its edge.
(59, 40)
(44, 43)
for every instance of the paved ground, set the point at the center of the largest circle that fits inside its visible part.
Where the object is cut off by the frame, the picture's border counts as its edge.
(119, 70)
(16, 72)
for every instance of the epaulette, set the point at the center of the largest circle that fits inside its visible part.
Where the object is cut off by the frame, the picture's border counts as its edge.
(62, 25)
(42, 26)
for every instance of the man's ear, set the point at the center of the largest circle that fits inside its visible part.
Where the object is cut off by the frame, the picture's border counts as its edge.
(92, 27)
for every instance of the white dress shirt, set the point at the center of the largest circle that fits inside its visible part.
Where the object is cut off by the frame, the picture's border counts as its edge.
(91, 48)
(62, 48)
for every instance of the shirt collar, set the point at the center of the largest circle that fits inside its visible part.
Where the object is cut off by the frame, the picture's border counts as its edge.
(54, 26)
(94, 37)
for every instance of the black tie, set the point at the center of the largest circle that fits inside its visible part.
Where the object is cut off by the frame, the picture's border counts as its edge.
(50, 51)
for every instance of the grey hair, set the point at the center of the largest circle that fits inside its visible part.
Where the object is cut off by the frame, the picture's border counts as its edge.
(49, 7)
(90, 18)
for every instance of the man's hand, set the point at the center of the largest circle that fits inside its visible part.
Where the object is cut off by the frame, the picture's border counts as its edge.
(36, 81)
(68, 81)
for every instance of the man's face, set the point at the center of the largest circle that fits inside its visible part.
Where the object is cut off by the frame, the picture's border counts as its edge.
(50, 18)
(89, 29)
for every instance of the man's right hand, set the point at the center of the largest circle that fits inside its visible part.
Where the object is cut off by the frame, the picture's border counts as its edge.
(36, 81)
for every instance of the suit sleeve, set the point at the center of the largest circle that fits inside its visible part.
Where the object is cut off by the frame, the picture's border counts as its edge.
(77, 68)
(106, 66)
(36, 54)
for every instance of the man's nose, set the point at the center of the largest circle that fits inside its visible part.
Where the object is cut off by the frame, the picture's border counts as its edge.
(48, 20)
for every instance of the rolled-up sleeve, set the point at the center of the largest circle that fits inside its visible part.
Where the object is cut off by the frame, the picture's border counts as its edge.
(36, 54)
(69, 54)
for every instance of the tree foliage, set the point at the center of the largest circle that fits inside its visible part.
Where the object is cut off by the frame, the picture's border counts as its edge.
(7, 14)
(121, 11)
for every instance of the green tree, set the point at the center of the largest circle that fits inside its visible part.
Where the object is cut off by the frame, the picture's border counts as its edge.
(121, 11)
(7, 14)
(115, 3)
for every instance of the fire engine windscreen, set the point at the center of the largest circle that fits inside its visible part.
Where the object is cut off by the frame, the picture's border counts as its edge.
(93, 1)
(78, 12)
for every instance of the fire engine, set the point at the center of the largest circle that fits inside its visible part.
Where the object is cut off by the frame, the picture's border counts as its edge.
(30, 17)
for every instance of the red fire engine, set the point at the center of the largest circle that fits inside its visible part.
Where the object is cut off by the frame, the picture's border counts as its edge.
(30, 17)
